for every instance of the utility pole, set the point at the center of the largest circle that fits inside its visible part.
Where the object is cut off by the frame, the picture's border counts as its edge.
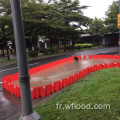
(24, 79)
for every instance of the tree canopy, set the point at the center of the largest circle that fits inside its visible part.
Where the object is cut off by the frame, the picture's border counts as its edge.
(111, 17)
(96, 27)
(57, 20)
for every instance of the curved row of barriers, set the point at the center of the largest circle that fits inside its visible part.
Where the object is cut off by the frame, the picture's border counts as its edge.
(42, 91)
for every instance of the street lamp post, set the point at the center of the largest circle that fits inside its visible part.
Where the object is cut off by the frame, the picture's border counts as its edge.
(24, 79)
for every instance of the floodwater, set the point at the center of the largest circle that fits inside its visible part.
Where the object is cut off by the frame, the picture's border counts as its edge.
(63, 70)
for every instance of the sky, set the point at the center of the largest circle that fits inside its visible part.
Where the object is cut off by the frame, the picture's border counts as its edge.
(97, 9)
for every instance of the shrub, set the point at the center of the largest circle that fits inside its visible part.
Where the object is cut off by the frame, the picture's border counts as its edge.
(90, 45)
(33, 53)
(53, 50)
(45, 51)
(78, 46)
(69, 47)
(85, 45)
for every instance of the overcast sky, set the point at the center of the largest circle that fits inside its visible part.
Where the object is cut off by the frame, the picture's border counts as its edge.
(97, 9)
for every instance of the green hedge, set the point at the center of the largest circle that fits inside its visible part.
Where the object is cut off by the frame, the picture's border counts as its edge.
(53, 50)
(45, 51)
(33, 53)
(85, 45)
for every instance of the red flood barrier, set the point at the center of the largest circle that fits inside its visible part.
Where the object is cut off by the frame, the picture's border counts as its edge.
(100, 66)
(57, 85)
(70, 79)
(84, 56)
(36, 92)
(64, 82)
(67, 81)
(32, 93)
(60, 84)
(47, 90)
(75, 76)
(52, 88)
(80, 74)
(18, 92)
(42, 91)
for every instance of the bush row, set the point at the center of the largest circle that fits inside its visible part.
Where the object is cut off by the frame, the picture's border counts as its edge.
(85, 45)
(79, 46)
(34, 53)
(52, 50)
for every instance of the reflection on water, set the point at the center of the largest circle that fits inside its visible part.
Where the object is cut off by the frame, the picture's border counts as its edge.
(63, 70)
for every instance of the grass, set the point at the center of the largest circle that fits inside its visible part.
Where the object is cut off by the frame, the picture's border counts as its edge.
(101, 87)
(8, 61)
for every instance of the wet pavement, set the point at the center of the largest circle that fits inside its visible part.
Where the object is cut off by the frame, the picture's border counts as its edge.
(11, 105)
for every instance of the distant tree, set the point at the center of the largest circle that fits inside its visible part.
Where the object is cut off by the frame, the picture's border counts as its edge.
(5, 8)
(111, 17)
(29, 8)
(56, 20)
(6, 33)
(73, 17)
(96, 27)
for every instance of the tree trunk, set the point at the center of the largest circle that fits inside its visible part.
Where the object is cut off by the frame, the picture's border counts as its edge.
(51, 45)
(4, 37)
(8, 54)
(3, 53)
(51, 42)
(34, 40)
(65, 45)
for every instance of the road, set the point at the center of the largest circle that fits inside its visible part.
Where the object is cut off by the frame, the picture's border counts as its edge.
(9, 104)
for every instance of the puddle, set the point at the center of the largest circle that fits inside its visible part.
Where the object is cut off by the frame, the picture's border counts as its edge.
(112, 53)
(63, 70)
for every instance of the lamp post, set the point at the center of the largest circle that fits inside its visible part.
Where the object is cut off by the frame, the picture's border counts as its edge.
(24, 79)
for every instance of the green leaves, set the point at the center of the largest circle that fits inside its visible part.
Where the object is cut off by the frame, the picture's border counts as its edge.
(96, 27)
(56, 20)
(111, 17)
